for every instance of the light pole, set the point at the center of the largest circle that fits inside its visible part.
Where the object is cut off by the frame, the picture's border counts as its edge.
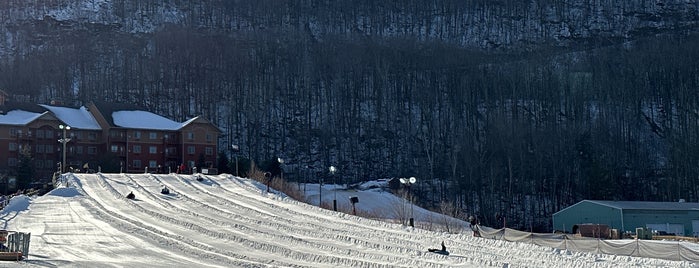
(409, 182)
(64, 140)
(235, 150)
(268, 179)
(332, 170)
(320, 191)
(126, 153)
(281, 170)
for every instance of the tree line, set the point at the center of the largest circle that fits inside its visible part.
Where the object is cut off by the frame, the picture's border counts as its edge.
(510, 135)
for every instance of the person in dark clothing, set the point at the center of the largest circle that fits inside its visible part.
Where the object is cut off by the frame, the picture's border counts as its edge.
(473, 221)
(442, 251)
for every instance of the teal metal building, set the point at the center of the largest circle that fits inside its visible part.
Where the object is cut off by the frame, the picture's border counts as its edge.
(679, 218)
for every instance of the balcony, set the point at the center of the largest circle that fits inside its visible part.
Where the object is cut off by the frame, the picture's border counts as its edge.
(25, 136)
(170, 140)
(117, 138)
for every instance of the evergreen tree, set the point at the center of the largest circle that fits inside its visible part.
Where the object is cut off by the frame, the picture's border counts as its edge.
(25, 169)
(201, 162)
(223, 163)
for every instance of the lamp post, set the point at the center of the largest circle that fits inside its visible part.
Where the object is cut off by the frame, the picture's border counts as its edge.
(235, 150)
(126, 153)
(64, 140)
(320, 191)
(281, 170)
(332, 170)
(409, 182)
(305, 178)
(268, 179)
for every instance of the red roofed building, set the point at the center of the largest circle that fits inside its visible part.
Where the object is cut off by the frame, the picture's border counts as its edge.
(108, 136)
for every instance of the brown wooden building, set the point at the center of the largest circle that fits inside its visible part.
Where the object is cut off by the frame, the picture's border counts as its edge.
(138, 140)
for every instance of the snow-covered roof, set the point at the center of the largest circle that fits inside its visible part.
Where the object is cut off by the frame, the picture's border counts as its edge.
(144, 120)
(75, 118)
(18, 117)
(647, 205)
(189, 121)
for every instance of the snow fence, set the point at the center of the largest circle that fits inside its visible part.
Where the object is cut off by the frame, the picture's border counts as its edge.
(669, 250)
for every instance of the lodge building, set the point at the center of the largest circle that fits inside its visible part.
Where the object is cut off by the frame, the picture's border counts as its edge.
(101, 135)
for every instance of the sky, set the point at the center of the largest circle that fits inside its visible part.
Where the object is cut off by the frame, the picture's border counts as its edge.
(227, 221)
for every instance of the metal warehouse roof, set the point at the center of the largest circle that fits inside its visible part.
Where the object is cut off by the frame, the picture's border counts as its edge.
(647, 205)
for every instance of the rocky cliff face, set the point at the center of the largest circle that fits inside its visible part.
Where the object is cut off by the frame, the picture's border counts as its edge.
(479, 24)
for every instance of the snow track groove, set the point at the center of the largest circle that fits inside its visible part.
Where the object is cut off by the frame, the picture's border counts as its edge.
(284, 216)
(343, 227)
(228, 221)
(302, 250)
(123, 222)
(166, 221)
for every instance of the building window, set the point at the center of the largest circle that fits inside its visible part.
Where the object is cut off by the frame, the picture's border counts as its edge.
(209, 137)
(91, 150)
(40, 133)
(40, 148)
(153, 135)
(49, 133)
(190, 149)
(137, 149)
(13, 146)
(137, 163)
(209, 151)
(153, 150)
(12, 162)
(137, 134)
(190, 135)
(152, 164)
(13, 132)
(78, 149)
(114, 148)
(92, 136)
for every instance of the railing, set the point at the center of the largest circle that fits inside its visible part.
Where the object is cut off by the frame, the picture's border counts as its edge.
(669, 250)
(117, 138)
(16, 245)
(25, 136)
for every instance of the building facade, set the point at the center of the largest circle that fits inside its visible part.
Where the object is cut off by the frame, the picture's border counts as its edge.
(114, 137)
(679, 218)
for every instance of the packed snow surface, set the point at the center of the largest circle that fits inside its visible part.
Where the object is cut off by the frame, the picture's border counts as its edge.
(227, 221)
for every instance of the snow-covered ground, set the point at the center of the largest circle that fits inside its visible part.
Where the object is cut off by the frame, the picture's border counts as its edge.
(226, 221)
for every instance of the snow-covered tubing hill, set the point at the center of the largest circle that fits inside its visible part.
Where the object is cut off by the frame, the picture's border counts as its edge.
(225, 221)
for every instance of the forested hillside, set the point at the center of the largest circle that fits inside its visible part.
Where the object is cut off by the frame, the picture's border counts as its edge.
(503, 108)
